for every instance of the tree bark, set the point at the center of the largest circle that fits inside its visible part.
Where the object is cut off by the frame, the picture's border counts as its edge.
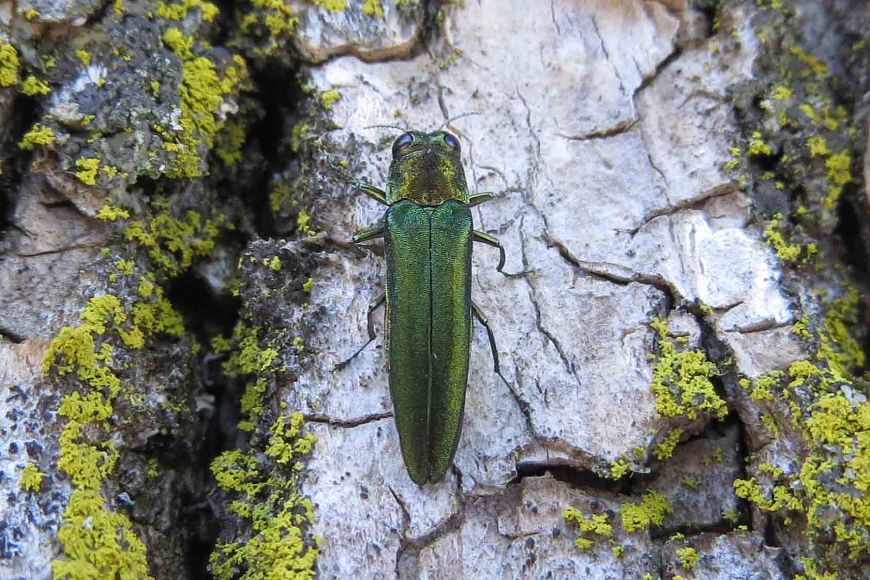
(188, 390)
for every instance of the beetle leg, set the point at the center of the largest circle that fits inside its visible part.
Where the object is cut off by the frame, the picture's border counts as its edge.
(373, 305)
(478, 313)
(368, 234)
(372, 191)
(481, 198)
(487, 239)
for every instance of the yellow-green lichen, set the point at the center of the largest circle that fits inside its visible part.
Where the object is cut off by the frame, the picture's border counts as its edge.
(818, 146)
(790, 253)
(277, 515)
(285, 442)
(801, 328)
(300, 133)
(651, 510)
(38, 135)
(272, 22)
(716, 457)
(812, 571)
(247, 358)
(97, 543)
(202, 92)
(229, 142)
(691, 483)
(32, 86)
(688, 557)
(329, 98)
(731, 516)
(302, 224)
(112, 213)
(588, 527)
(619, 468)
(665, 449)
(332, 5)
(83, 56)
(88, 167)
(830, 490)
(757, 146)
(770, 424)
(782, 93)
(8, 65)
(839, 173)
(31, 478)
(173, 244)
(681, 380)
(308, 285)
(373, 8)
(179, 10)
(454, 55)
(125, 266)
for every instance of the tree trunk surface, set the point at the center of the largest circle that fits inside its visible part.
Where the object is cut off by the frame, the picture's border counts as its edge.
(187, 388)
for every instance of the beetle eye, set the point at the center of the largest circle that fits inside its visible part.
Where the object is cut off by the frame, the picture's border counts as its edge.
(451, 141)
(401, 142)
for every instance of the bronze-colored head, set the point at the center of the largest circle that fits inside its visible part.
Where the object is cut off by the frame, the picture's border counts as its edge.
(426, 169)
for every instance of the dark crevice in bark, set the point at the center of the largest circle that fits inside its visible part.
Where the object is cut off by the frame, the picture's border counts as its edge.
(206, 315)
(648, 80)
(744, 511)
(575, 477)
(10, 335)
(770, 534)
(710, 9)
(268, 150)
(16, 162)
(720, 352)
(853, 229)
(98, 15)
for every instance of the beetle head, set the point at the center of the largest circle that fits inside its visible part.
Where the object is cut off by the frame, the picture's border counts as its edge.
(426, 169)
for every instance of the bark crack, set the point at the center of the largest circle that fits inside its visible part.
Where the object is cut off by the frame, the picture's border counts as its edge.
(661, 66)
(615, 273)
(718, 191)
(56, 251)
(622, 127)
(346, 423)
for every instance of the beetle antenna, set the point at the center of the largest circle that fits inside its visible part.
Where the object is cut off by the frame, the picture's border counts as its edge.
(403, 129)
(460, 116)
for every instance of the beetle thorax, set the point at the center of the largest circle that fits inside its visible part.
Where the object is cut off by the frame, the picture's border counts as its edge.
(427, 174)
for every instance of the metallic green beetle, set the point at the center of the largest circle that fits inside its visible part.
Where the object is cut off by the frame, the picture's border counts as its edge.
(428, 232)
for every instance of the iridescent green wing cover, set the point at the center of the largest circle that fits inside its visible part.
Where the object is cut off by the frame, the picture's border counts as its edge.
(428, 330)
(407, 330)
(451, 238)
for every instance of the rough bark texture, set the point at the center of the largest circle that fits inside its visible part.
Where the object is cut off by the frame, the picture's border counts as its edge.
(185, 381)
